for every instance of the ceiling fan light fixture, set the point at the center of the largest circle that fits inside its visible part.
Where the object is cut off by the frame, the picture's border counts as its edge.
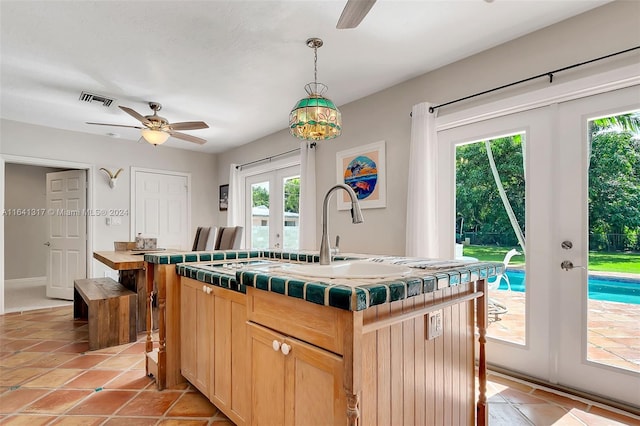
(315, 117)
(154, 137)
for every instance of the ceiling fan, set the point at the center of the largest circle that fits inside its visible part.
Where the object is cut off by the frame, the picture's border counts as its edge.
(157, 129)
(353, 13)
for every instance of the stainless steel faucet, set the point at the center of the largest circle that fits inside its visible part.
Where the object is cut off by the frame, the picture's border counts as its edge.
(356, 217)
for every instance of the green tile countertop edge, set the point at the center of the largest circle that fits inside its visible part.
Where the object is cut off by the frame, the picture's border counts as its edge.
(363, 296)
(210, 277)
(205, 256)
(340, 296)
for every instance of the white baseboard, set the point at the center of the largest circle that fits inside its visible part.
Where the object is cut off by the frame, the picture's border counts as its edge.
(25, 282)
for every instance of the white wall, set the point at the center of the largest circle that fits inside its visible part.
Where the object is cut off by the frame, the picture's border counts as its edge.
(25, 140)
(385, 115)
(25, 255)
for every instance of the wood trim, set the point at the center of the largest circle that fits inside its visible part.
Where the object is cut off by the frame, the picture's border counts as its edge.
(482, 410)
(396, 319)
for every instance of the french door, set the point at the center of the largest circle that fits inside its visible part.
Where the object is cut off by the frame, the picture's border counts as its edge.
(598, 340)
(271, 209)
(521, 344)
(544, 324)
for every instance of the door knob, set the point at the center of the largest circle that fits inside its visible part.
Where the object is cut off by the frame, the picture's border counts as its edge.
(276, 345)
(285, 349)
(567, 264)
(48, 244)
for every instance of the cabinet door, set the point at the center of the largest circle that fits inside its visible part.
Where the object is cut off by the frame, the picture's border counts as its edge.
(188, 320)
(314, 392)
(267, 377)
(196, 315)
(204, 337)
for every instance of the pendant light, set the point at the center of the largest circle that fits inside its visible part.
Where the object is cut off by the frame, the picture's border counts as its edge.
(315, 117)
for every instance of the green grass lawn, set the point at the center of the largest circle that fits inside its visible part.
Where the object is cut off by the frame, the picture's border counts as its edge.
(628, 262)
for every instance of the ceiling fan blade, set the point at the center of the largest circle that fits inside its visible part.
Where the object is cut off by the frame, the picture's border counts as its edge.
(189, 125)
(135, 115)
(353, 13)
(188, 138)
(115, 125)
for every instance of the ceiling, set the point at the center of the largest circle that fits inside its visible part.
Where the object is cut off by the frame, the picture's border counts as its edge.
(238, 65)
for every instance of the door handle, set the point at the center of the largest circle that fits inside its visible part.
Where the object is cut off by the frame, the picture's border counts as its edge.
(567, 264)
(47, 244)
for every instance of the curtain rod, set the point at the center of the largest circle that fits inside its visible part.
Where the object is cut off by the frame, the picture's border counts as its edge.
(240, 166)
(546, 74)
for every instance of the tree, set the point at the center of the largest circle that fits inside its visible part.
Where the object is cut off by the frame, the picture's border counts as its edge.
(260, 196)
(477, 198)
(292, 195)
(614, 188)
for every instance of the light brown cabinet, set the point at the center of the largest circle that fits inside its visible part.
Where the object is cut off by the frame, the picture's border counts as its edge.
(377, 366)
(214, 346)
(293, 382)
(196, 318)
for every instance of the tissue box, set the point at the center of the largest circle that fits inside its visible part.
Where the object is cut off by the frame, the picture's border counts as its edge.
(143, 243)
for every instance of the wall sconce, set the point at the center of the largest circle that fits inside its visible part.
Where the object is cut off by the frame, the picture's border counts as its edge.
(112, 176)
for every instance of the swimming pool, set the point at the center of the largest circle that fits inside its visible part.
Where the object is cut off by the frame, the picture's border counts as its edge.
(611, 289)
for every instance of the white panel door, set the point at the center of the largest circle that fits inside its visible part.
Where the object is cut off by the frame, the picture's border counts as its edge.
(162, 208)
(67, 232)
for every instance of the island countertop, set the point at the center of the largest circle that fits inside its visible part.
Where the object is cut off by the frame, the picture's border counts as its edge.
(266, 270)
(263, 310)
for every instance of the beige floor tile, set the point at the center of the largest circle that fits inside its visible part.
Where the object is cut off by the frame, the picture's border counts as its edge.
(57, 401)
(27, 420)
(54, 378)
(14, 400)
(17, 376)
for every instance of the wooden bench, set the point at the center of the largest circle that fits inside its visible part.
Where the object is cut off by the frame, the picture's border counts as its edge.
(110, 309)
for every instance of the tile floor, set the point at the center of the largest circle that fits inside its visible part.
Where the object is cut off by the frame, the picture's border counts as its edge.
(48, 377)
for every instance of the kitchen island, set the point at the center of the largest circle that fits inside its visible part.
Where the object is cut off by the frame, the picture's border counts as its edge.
(268, 344)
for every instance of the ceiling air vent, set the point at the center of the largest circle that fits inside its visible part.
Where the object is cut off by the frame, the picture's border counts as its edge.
(92, 97)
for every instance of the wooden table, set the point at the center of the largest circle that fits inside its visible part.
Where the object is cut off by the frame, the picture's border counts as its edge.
(131, 274)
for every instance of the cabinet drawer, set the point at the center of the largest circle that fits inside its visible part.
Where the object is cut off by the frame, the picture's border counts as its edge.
(322, 326)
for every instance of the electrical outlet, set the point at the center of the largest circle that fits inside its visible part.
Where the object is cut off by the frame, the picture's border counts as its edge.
(434, 324)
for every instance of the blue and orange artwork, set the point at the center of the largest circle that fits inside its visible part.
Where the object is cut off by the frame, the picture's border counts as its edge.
(361, 174)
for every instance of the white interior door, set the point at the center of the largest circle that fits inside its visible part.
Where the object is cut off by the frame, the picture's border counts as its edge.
(598, 341)
(162, 208)
(67, 231)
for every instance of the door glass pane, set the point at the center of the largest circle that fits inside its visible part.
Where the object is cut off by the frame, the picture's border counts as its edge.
(291, 216)
(490, 213)
(260, 215)
(614, 241)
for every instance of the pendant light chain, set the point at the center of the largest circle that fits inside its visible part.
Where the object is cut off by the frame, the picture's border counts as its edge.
(315, 65)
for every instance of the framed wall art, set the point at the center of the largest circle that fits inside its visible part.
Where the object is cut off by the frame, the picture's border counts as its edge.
(363, 169)
(224, 197)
